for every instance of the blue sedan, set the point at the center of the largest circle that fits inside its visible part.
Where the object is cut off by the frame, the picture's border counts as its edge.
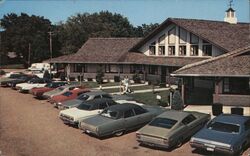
(227, 133)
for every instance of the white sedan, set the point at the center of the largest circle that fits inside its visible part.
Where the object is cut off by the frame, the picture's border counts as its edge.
(33, 83)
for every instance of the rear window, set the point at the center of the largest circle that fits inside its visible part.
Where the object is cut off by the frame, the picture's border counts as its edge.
(163, 122)
(109, 114)
(67, 94)
(224, 127)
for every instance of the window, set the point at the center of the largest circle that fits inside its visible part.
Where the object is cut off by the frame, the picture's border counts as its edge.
(128, 113)
(152, 49)
(161, 50)
(207, 50)
(161, 40)
(111, 68)
(194, 50)
(171, 36)
(182, 36)
(153, 70)
(224, 127)
(188, 119)
(163, 123)
(182, 50)
(236, 86)
(171, 50)
(136, 68)
(194, 39)
(139, 110)
(97, 97)
(102, 105)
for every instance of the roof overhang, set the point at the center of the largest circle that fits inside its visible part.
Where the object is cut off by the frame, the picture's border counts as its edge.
(207, 75)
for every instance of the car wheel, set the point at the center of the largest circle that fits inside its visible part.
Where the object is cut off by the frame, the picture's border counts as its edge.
(119, 133)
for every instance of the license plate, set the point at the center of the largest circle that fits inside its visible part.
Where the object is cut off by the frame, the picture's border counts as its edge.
(210, 149)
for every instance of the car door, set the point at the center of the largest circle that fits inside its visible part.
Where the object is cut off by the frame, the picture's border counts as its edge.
(190, 125)
(130, 119)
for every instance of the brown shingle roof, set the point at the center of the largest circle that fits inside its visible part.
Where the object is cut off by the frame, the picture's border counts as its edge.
(226, 36)
(139, 58)
(100, 50)
(235, 63)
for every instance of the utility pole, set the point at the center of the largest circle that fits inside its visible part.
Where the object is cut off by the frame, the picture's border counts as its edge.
(29, 54)
(50, 49)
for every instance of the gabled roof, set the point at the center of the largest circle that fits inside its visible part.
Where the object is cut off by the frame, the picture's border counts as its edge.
(224, 35)
(100, 50)
(232, 64)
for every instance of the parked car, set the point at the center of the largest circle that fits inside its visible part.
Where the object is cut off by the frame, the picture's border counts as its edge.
(38, 92)
(84, 97)
(58, 91)
(34, 83)
(72, 94)
(171, 128)
(8, 78)
(117, 119)
(85, 109)
(227, 133)
(23, 79)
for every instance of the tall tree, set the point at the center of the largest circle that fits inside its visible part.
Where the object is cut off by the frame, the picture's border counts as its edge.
(21, 30)
(80, 27)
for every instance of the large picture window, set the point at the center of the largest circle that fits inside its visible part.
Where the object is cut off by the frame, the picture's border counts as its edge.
(153, 70)
(136, 68)
(112, 68)
(79, 68)
(236, 86)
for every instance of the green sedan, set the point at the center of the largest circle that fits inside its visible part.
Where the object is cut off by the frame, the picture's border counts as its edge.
(171, 128)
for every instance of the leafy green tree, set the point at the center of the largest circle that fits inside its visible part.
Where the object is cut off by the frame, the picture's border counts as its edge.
(21, 30)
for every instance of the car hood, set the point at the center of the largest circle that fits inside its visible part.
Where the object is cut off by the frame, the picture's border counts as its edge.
(59, 98)
(216, 136)
(73, 102)
(77, 113)
(155, 131)
(97, 120)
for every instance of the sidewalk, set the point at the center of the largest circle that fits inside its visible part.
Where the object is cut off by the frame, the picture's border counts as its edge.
(113, 87)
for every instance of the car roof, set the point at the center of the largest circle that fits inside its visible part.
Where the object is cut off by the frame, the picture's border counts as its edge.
(175, 115)
(96, 93)
(123, 107)
(96, 101)
(232, 118)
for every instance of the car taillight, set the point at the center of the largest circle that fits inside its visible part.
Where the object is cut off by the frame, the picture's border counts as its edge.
(138, 135)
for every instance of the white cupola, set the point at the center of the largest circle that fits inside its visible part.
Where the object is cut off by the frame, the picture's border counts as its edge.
(230, 16)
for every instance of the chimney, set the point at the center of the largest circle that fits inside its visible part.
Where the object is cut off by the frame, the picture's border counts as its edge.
(230, 16)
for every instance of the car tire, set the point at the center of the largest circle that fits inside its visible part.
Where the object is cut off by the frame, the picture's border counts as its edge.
(119, 133)
(179, 142)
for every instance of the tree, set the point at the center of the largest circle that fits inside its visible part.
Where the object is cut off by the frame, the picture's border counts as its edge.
(177, 102)
(99, 76)
(145, 29)
(21, 30)
(77, 29)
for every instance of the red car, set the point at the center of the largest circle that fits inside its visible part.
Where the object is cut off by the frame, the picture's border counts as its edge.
(68, 95)
(38, 92)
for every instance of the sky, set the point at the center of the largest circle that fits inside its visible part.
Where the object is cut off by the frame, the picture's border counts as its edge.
(137, 11)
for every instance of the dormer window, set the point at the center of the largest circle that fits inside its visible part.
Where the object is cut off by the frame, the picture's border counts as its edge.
(194, 47)
(161, 47)
(206, 48)
(152, 48)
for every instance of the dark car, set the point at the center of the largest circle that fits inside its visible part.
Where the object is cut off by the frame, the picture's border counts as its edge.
(14, 76)
(22, 79)
(171, 128)
(227, 134)
(117, 119)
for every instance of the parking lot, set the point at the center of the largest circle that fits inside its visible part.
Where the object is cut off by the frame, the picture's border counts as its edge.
(31, 127)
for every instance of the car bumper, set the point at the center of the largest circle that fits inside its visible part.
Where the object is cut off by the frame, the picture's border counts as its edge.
(68, 121)
(45, 96)
(212, 148)
(88, 130)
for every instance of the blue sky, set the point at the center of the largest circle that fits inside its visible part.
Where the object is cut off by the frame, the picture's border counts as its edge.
(137, 11)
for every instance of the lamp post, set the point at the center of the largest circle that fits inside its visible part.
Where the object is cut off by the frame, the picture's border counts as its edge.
(50, 49)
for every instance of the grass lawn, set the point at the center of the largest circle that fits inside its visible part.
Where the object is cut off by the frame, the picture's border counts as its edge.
(113, 90)
(149, 98)
(92, 84)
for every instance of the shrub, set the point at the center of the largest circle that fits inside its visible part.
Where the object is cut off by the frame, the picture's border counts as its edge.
(99, 76)
(177, 102)
(136, 78)
(117, 78)
(2, 72)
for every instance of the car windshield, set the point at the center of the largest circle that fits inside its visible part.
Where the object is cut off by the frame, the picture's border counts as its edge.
(67, 93)
(84, 106)
(163, 122)
(110, 114)
(83, 97)
(224, 127)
